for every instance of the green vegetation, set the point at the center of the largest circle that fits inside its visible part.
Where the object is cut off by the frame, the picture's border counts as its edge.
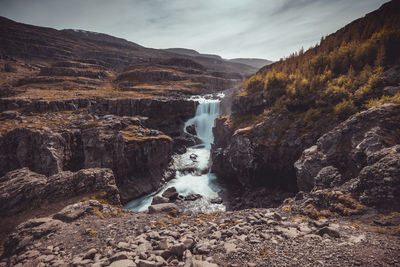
(338, 77)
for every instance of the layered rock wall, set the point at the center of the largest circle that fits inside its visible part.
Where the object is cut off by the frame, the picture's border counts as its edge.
(138, 156)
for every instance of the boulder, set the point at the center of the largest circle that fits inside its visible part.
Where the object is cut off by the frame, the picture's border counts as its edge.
(199, 263)
(23, 189)
(192, 197)
(123, 263)
(183, 141)
(169, 208)
(171, 193)
(191, 129)
(159, 200)
(73, 212)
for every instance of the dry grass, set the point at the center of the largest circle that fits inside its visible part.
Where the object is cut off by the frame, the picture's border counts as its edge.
(134, 134)
(92, 233)
(60, 120)
(102, 197)
(97, 211)
(287, 208)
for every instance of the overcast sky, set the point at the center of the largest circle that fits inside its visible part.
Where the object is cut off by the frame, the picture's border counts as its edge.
(268, 29)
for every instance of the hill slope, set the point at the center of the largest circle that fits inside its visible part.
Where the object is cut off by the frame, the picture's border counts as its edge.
(255, 62)
(288, 105)
(81, 63)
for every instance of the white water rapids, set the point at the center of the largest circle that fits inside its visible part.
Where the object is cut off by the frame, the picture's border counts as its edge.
(200, 181)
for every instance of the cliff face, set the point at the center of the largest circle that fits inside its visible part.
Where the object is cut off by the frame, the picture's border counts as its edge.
(23, 189)
(360, 155)
(264, 152)
(51, 143)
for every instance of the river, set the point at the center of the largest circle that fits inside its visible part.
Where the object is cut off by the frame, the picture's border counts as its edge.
(198, 180)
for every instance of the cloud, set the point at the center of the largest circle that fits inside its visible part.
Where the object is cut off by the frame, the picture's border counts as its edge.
(231, 28)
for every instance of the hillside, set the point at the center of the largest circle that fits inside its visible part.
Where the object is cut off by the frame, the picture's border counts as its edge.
(255, 62)
(77, 63)
(288, 105)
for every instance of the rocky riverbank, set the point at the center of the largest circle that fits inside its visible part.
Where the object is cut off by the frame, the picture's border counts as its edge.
(95, 234)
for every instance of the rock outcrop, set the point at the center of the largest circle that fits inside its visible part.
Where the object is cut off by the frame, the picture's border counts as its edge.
(51, 143)
(262, 153)
(22, 189)
(167, 115)
(359, 156)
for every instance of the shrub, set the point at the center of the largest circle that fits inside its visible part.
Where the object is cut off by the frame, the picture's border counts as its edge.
(255, 84)
(344, 109)
(384, 99)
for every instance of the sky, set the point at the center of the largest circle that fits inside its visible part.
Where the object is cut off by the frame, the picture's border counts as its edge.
(270, 29)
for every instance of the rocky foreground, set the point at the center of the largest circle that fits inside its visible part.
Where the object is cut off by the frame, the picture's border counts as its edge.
(90, 233)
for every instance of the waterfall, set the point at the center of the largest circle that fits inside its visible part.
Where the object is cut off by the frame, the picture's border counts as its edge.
(200, 181)
(206, 113)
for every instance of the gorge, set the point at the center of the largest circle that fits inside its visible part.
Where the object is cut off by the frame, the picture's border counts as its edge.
(193, 176)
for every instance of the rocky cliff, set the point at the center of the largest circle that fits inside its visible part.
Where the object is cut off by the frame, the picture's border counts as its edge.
(50, 143)
(359, 156)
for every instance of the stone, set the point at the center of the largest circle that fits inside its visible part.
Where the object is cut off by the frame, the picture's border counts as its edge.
(73, 212)
(188, 243)
(178, 249)
(290, 232)
(159, 200)
(119, 256)
(171, 193)
(169, 208)
(163, 244)
(191, 129)
(192, 197)
(122, 263)
(198, 263)
(123, 245)
(145, 263)
(216, 235)
(90, 254)
(216, 200)
(329, 231)
(230, 247)
(202, 247)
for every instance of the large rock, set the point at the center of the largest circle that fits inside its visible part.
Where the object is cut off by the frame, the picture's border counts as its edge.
(169, 208)
(171, 193)
(139, 158)
(362, 152)
(260, 154)
(27, 232)
(75, 211)
(42, 150)
(23, 189)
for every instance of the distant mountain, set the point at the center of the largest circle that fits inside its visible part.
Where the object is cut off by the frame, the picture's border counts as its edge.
(191, 52)
(254, 62)
(97, 64)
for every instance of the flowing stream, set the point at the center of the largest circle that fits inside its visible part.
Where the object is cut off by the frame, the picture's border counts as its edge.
(193, 167)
